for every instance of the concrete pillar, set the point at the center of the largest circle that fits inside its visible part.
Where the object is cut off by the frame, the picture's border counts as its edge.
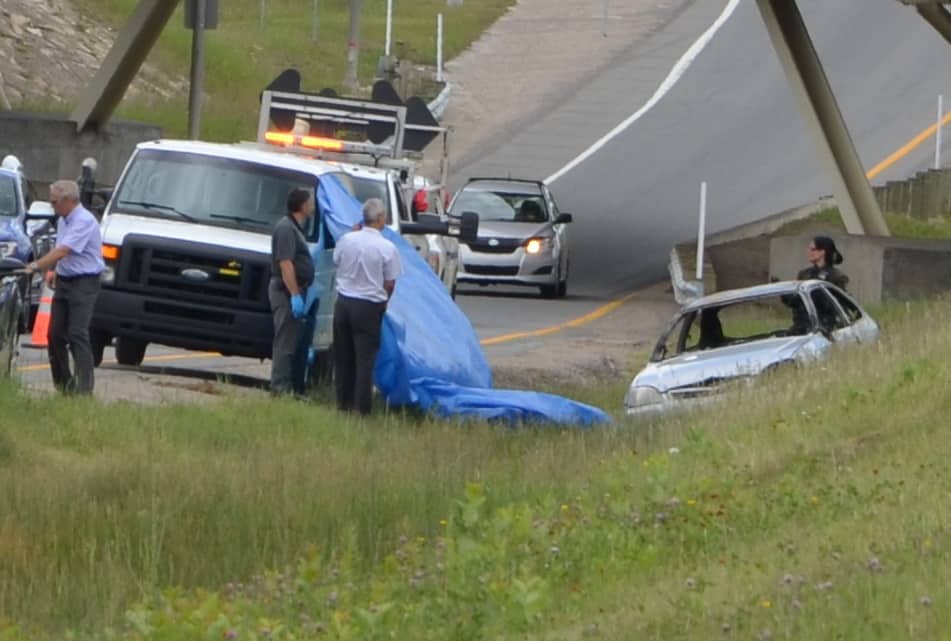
(797, 54)
(132, 46)
(938, 17)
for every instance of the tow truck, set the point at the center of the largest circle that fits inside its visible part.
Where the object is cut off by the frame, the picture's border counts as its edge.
(187, 230)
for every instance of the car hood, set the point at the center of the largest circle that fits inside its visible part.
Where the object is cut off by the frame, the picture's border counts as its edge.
(117, 226)
(710, 366)
(502, 229)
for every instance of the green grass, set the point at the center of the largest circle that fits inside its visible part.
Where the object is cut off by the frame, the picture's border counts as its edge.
(242, 57)
(809, 507)
(901, 226)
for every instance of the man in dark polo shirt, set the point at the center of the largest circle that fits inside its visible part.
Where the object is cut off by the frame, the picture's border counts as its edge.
(77, 259)
(292, 272)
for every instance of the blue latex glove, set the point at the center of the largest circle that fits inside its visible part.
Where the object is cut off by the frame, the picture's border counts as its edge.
(297, 306)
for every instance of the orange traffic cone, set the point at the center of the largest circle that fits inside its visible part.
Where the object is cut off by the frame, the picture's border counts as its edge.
(41, 326)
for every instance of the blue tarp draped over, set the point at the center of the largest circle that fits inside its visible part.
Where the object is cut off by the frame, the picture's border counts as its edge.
(430, 356)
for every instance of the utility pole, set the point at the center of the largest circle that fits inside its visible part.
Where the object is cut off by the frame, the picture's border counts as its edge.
(197, 71)
(351, 78)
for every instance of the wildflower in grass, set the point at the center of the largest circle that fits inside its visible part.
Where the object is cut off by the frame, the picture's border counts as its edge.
(691, 502)
(726, 627)
(787, 579)
(443, 522)
(691, 583)
(332, 599)
(814, 499)
(564, 507)
(925, 601)
(230, 634)
(875, 565)
(823, 587)
(673, 451)
(766, 604)
(661, 517)
(765, 635)
(673, 502)
(555, 549)
(796, 604)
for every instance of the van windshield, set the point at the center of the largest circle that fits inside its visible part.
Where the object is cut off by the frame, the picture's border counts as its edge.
(8, 196)
(223, 192)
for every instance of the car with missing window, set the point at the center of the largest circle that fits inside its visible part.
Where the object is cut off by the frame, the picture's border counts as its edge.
(11, 307)
(523, 237)
(735, 336)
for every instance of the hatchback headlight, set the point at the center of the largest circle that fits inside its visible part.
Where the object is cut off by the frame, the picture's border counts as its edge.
(538, 244)
(641, 396)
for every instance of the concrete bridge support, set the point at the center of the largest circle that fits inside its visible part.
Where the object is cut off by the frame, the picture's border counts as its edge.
(800, 61)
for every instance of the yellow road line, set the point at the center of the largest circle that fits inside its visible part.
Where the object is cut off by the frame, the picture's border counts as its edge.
(600, 312)
(152, 359)
(908, 147)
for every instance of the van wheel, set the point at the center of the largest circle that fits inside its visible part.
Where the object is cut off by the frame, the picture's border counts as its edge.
(130, 351)
(98, 340)
(322, 371)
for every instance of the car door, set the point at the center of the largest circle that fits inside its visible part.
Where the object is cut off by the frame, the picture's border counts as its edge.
(864, 329)
(561, 234)
(832, 319)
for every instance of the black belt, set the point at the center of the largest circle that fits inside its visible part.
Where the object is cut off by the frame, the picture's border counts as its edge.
(76, 277)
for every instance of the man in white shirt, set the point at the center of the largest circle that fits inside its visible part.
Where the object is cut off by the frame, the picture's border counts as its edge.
(367, 268)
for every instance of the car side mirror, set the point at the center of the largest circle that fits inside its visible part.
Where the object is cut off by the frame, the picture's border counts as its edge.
(563, 218)
(10, 265)
(40, 210)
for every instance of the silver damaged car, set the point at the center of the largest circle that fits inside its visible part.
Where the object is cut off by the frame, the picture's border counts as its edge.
(736, 335)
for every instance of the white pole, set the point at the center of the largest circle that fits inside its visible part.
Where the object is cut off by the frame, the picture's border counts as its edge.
(937, 146)
(389, 27)
(702, 232)
(315, 22)
(439, 48)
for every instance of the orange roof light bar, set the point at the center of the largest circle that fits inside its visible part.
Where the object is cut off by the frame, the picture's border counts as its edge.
(322, 143)
(278, 137)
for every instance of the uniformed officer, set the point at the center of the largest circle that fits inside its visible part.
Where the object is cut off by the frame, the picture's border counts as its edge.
(77, 259)
(823, 257)
(292, 272)
(367, 268)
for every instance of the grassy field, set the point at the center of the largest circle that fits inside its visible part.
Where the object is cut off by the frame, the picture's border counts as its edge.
(808, 508)
(242, 57)
(901, 226)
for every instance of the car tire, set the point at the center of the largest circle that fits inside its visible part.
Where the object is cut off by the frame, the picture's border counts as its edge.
(130, 351)
(98, 340)
(322, 371)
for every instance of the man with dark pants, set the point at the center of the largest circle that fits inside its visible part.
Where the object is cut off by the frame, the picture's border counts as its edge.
(292, 272)
(367, 268)
(77, 259)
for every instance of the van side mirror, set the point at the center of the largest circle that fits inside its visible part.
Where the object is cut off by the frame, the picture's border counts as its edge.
(468, 226)
(563, 218)
(40, 210)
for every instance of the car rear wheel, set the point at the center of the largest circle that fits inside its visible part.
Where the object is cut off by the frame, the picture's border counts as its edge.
(130, 351)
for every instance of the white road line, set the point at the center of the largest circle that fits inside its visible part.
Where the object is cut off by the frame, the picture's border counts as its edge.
(675, 74)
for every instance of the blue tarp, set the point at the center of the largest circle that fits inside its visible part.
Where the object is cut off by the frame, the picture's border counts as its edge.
(430, 356)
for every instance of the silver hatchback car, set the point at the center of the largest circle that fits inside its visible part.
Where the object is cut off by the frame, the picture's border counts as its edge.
(739, 334)
(522, 236)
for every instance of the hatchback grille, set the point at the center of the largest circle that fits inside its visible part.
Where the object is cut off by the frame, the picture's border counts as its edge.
(492, 270)
(495, 245)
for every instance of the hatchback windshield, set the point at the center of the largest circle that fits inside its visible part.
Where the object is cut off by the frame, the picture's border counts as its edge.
(209, 190)
(501, 206)
(734, 323)
(8, 196)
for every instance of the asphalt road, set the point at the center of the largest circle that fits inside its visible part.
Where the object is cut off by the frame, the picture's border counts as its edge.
(730, 120)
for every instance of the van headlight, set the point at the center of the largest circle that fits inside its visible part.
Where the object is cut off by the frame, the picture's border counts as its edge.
(641, 396)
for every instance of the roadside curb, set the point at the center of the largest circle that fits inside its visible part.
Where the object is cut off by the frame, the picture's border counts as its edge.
(439, 104)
